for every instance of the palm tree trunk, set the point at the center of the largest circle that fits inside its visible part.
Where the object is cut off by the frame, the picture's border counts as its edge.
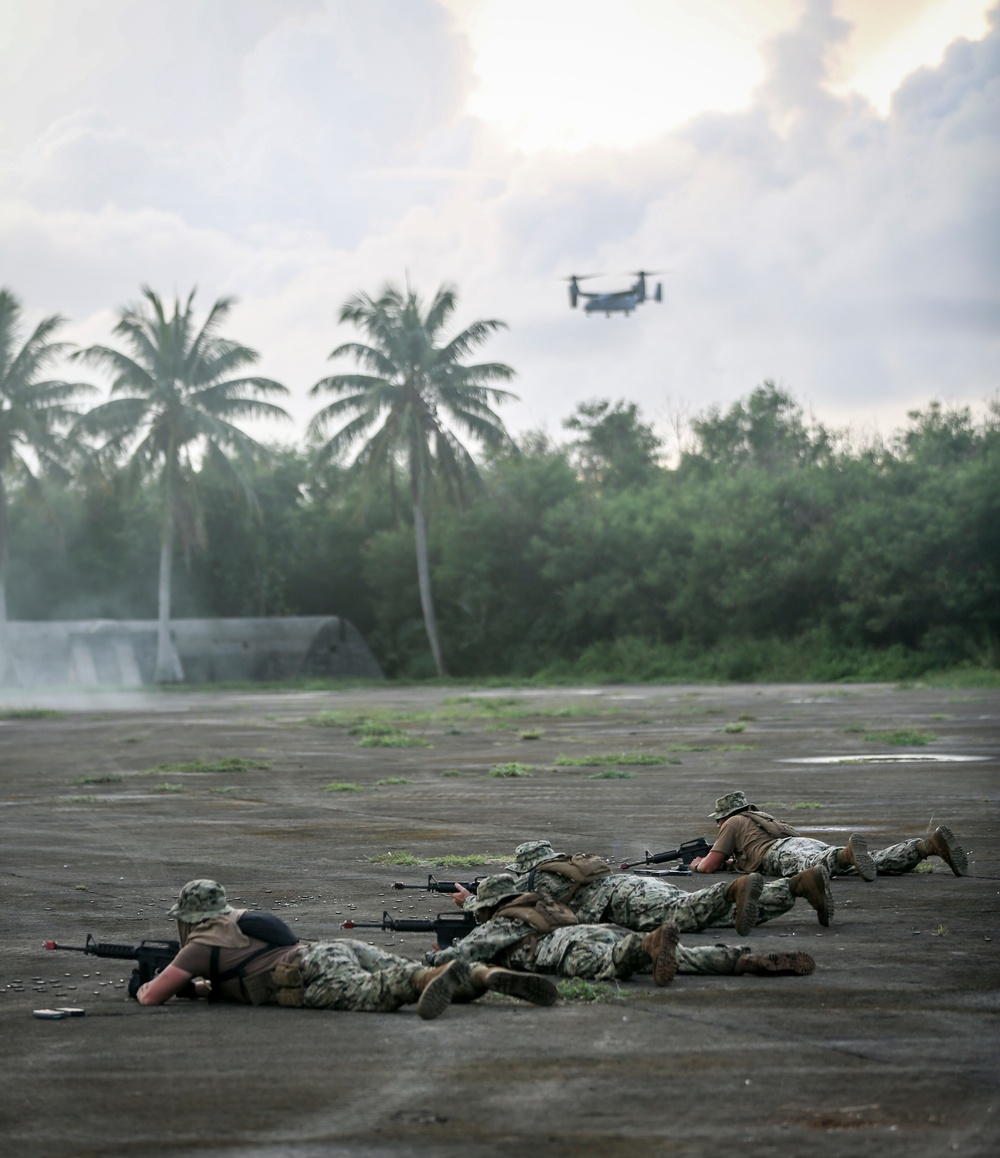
(168, 663)
(424, 580)
(8, 673)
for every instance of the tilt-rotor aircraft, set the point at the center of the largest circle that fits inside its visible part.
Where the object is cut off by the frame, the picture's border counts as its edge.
(613, 301)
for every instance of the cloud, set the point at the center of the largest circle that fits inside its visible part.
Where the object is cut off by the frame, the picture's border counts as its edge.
(320, 148)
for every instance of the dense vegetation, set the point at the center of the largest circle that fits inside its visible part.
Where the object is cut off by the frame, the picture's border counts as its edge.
(771, 549)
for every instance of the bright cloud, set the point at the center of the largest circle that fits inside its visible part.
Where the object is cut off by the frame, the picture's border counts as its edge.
(304, 149)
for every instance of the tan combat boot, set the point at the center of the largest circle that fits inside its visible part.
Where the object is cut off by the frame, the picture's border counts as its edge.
(437, 987)
(942, 843)
(527, 986)
(744, 892)
(855, 855)
(813, 885)
(661, 947)
(770, 964)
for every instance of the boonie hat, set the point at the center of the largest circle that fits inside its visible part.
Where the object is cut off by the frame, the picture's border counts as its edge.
(728, 804)
(530, 854)
(198, 901)
(492, 891)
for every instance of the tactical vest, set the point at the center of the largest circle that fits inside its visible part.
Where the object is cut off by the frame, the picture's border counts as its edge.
(767, 823)
(261, 927)
(542, 913)
(582, 868)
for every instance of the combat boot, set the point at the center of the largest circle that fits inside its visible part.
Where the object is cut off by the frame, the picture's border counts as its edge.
(855, 855)
(813, 885)
(438, 986)
(771, 964)
(942, 843)
(745, 892)
(527, 986)
(661, 947)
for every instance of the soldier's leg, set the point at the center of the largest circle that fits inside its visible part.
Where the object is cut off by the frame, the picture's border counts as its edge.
(352, 975)
(718, 959)
(904, 857)
(795, 854)
(645, 904)
(592, 952)
(738, 959)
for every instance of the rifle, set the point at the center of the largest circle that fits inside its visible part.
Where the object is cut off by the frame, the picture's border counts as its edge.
(435, 886)
(685, 853)
(446, 927)
(150, 956)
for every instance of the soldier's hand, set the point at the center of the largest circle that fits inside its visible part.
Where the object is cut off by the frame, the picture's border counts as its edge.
(460, 895)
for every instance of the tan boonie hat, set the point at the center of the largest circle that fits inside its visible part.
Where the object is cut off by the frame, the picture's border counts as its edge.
(198, 901)
(531, 854)
(491, 891)
(728, 804)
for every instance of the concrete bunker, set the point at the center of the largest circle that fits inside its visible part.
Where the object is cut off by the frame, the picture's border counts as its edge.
(122, 653)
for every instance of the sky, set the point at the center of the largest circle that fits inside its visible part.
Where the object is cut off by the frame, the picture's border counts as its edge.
(817, 180)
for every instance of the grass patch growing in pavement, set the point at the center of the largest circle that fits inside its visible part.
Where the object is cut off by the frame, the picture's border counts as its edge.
(901, 738)
(451, 860)
(511, 770)
(467, 859)
(397, 739)
(343, 786)
(100, 778)
(393, 780)
(396, 857)
(612, 774)
(226, 764)
(577, 990)
(30, 714)
(645, 759)
(166, 788)
(711, 747)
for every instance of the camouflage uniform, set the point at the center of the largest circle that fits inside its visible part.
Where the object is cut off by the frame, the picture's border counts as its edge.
(592, 952)
(640, 903)
(793, 854)
(353, 975)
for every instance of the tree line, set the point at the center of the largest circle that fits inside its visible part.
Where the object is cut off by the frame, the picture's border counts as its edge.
(770, 547)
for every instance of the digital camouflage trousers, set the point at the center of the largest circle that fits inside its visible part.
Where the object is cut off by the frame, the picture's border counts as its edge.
(644, 903)
(355, 976)
(794, 854)
(608, 953)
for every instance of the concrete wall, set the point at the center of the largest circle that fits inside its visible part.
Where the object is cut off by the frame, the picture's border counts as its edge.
(122, 653)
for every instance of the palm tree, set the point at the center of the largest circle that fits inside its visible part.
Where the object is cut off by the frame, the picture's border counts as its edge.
(34, 414)
(412, 383)
(174, 400)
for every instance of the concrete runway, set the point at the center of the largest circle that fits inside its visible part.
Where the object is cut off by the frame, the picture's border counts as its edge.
(890, 1047)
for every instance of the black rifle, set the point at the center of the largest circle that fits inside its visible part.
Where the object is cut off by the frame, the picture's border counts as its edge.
(150, 956)
(685, 853)
(435, 886)
(446, 927)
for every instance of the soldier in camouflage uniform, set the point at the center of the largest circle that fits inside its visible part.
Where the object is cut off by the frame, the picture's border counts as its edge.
(510, 935)
(347, 974)
(754, 841)
(644, 903)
